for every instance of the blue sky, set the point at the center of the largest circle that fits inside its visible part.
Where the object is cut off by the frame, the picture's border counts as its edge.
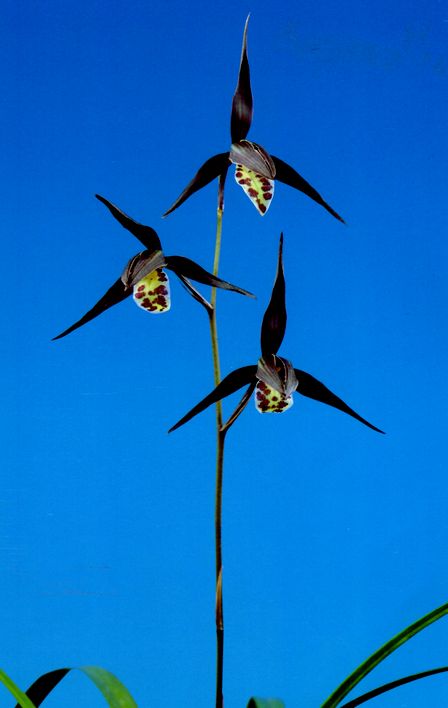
(334, 537)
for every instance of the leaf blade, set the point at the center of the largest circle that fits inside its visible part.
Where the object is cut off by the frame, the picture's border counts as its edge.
(382, 653)
(392, 685)
(24, 701)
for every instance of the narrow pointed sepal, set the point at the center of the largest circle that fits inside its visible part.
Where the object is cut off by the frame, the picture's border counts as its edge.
(231, 383)
(287, 174)
(145, 234)
(114, 295)
(312, 388)
(211, 169)
(189, 269)
(152, 293)
(274, 321)
(242, 104)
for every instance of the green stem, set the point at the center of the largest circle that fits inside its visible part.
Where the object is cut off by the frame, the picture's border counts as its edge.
(220, 437)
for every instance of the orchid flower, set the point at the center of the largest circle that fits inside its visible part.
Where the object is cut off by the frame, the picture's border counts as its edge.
(145, 278)
(255, 170)
(273, 378)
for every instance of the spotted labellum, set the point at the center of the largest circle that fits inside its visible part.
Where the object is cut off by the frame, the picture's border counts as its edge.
(145, 276)
(273, 378)
(255, 169)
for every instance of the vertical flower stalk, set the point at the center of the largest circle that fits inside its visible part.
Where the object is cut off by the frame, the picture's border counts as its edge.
(220, 438)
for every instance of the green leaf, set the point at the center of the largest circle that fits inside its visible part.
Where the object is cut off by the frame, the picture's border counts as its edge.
(265, 703)
(377, 657)
(393, 684)
(23, 700)
(116, 695)
(112, 689)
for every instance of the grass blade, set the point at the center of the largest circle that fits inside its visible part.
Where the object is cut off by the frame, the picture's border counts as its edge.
(23, 700)
(116, 695)
(377, 657)
(390, 686)
(112, 689)
(265, 703)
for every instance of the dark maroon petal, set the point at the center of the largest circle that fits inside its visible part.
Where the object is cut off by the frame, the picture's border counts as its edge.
(114, 295)
(254, 157)
(195, 293)
(240, 407)
(274, 320)
(288, 175)
(215, 166)
(242, 111)
(312, 388)
(145, 234)
(230, 384)
(44, 685)
(190, 269)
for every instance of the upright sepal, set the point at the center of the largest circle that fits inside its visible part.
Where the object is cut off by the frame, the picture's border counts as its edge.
(312, 388)
(145, 234)
(242, 104)
(231, 383)
(274, 321)
(114, 295)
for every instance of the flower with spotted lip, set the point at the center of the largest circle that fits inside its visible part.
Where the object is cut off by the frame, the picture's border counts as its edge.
(256, 170)
(273, 379)
(144, 276)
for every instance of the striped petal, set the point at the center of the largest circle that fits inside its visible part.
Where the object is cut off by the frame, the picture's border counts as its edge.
(268, 400)
(259, 189)
(152, 293)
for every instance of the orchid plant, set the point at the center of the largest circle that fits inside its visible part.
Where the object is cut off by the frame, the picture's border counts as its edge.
(144, 276)
(273, 378)
(255, 169)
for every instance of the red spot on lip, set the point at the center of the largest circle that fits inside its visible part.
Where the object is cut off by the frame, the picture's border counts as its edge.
(252, 192)
(139, 295)
(262, 208)
(267, 196)
(266, 187)
(140, 288)
(146, 302)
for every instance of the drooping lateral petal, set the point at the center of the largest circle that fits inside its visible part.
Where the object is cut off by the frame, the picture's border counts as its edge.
(195, 293)
(274, 321)
(231, 383)
(312, 388)
(190, 269)
(288, 175)
(145, 234)
(211, 169)
(114, 295)
(242, 110)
